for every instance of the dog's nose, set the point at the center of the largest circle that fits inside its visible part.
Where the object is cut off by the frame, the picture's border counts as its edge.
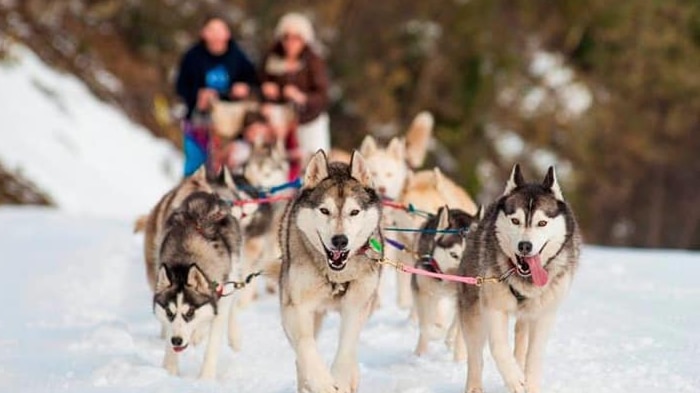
(176, 341)
(525, 247)
(339, 241)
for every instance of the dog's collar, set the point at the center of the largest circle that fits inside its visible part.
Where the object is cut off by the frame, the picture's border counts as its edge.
(429, 263)
(518, 296)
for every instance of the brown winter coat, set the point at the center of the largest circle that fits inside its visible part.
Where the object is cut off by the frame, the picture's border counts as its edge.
(311, 78)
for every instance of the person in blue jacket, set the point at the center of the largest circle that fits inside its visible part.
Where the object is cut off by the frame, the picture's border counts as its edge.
(215, 67)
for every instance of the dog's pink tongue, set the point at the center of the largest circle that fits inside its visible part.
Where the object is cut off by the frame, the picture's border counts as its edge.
(539, 275)
(336, 254)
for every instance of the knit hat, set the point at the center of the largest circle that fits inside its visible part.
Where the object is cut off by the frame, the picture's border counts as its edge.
(295, 23)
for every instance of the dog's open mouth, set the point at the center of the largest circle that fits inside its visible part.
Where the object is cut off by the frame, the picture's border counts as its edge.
(337, 259)
(180, 348)
(531, 266)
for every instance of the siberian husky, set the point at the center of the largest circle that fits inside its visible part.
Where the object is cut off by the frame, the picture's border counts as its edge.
(435, 300)
(154, 224)
(199, 245)
(529, 239)
(427, 191)
(326, 265)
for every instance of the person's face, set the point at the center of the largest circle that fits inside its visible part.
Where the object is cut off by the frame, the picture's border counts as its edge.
(293, 44)
(216, 36)
(258, 131)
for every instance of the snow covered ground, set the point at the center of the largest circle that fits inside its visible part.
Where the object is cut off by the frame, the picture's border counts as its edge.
(76, 317)
(87, 155)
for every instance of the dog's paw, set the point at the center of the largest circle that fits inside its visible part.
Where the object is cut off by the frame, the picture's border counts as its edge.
(322, 384)
(207, 375)
(347, 378)
(515, 381)
(532, 387)
(475, 390)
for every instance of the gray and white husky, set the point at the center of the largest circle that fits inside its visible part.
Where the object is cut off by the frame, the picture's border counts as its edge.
(435, 300)
(529, 238)
(326, 265)
(267, 167)
(200, 243)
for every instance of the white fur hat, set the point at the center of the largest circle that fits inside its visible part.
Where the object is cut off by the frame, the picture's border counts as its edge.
(295, 23)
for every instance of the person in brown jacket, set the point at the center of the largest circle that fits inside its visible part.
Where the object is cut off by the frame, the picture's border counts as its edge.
(293, 72)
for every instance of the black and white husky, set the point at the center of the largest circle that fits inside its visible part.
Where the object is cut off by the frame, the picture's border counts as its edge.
(200, 243)
(529, 238)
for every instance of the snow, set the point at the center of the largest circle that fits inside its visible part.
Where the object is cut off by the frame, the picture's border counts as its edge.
(77, 318)
(86, 154)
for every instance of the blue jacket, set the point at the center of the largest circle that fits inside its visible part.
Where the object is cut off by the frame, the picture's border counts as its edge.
(200, 69)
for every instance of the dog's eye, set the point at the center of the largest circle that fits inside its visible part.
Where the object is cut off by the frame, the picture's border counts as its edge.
(454, 255)
(169, 314)
(354, 212)
(542, 223)
(189, 314)
(325, 211)
(515, 221)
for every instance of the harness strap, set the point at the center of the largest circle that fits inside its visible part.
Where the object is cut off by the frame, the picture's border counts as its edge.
(236, 285)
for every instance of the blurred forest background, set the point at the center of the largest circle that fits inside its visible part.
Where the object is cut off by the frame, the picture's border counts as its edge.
(608, 91)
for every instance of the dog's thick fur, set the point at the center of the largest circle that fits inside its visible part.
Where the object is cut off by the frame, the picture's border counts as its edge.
(201, 181)
(426, 190)
(531, 232)
(267, 167)
(200, 243)
(435, 300)
(325, 266)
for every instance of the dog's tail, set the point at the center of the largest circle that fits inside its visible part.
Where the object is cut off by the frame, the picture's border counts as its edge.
(418, 138)
(140, 224)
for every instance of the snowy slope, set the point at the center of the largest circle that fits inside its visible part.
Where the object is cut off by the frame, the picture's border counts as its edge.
(76, 317)
(84, 153)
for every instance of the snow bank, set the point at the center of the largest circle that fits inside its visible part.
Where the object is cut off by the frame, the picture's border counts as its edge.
(86, 154)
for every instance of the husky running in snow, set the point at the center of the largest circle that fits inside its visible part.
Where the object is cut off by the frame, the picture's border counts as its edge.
(200, 243)
(327, 265)
(529, 238)
(435, 300)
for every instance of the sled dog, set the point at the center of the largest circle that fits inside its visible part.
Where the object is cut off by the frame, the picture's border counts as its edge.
(427, 191)
(267, 167)
(327, 265)
(529, 239)
(200, 243)
(435, 300)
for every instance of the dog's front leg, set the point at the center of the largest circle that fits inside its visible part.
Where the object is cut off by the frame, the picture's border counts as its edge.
(498, 343)
(345, 368)
(234, 331)
(312, 373)
(170, 360)
(539, 331)
(211, 354)
(522, 327)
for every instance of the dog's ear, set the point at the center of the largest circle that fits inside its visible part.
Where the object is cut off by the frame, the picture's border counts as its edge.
(443, 218)
(516, 180)
(397, 149)
(550, 182)
(368, 146)
(197, 280)
(200, 174)
(438, 177)
(480, 212)
(359, 170)
(227, 178)
(316, 170)
(162, 280)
